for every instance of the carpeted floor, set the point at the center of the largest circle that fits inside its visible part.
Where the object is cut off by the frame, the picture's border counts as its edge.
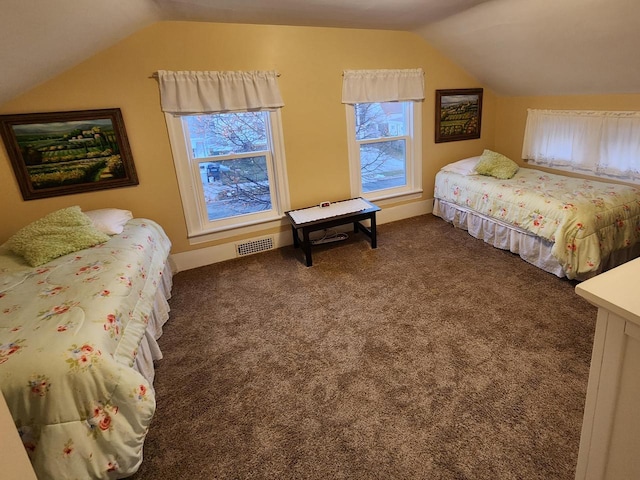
(435, 356)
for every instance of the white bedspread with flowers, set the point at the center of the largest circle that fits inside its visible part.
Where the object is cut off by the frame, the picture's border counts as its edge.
(69, 333)
(585, 219)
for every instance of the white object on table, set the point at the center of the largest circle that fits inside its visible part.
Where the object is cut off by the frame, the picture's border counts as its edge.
(333, 210)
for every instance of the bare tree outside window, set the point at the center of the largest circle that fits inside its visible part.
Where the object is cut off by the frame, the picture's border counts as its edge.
(233, 153)
(382, 138)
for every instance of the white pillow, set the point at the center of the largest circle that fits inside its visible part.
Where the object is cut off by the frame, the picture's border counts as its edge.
(109, 220)
(463, 167)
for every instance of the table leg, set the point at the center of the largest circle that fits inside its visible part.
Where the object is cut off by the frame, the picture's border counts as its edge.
(306, 245)
(374, 239)
(296, 242)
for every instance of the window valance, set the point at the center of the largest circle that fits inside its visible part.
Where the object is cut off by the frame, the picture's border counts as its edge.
(602, 142)
(186, 92)
(369, 86)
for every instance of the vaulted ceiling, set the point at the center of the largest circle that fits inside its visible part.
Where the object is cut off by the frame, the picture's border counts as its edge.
(514, 47)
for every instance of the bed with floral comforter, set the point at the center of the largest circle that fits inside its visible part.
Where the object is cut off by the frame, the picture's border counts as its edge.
(69, 334)
(585, 220)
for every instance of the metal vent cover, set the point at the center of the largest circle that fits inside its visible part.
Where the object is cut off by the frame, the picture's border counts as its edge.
(254, 246)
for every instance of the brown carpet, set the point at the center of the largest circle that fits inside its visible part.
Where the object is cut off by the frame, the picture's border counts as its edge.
(435, 356)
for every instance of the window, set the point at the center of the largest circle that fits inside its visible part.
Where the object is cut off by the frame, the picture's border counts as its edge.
(384, 155)
(383, 131)
(226, 137)
(594, 142)
(229, 171)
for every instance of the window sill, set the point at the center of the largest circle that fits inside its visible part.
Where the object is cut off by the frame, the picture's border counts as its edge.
(408, 195)
(235, 230)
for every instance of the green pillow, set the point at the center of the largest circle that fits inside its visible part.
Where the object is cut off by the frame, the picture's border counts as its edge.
(56, 234)
(496, 165)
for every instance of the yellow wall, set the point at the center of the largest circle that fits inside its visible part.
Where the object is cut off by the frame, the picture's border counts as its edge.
(511, 114)
(310, 61)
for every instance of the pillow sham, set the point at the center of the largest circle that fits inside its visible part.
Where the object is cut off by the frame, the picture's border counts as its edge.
(466, 166)
(496, 165)
(56, 234)
(109, 220)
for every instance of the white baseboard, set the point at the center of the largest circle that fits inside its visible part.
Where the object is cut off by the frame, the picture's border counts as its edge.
(227, 251)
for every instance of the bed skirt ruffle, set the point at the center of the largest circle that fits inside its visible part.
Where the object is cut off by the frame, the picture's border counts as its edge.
(531, 248)
(149, 351)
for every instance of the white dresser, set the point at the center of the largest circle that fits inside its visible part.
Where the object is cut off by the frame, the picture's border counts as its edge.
(610, 439)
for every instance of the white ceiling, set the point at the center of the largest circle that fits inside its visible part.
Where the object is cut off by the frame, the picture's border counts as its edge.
(514, 47)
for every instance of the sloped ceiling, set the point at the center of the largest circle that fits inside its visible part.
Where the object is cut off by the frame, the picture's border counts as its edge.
(514, 47)
(41, 39)
(545, 47)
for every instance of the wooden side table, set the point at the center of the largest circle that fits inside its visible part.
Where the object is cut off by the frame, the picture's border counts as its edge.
(312, 219)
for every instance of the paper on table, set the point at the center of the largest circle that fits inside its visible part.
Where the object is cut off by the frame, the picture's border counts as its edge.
(339, 208)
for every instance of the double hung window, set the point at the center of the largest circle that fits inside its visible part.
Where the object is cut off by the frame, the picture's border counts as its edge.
(384, 137)
(383, 131)
(229, 160)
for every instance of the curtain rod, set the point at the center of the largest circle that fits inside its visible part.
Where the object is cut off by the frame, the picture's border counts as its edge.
(155, 75)
(423, 73)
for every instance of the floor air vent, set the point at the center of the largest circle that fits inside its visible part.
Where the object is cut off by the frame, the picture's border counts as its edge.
(254, 246)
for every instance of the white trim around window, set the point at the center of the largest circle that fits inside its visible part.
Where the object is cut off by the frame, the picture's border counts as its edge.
(413, 187)
(189, 183)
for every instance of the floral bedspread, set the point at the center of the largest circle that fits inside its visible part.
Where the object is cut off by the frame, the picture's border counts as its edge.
(69, 333)
(585, 219)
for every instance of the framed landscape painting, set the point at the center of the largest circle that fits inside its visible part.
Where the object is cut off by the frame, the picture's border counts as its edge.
(61, 153)
(458, 114)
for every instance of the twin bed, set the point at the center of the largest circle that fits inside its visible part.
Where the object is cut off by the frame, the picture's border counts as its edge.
(570, 227)
(77, 344)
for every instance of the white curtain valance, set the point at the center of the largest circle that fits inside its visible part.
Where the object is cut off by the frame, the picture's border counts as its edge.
(368, 86)
(187, 92)
(601, 142)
